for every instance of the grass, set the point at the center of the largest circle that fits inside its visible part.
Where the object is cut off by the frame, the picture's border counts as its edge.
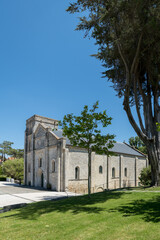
(117, 215)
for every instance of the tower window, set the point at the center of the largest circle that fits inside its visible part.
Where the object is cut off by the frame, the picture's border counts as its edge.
(100, 169)
(53, 166)
(125, 172)
(40, 162)
(113, 172)
(77, 173)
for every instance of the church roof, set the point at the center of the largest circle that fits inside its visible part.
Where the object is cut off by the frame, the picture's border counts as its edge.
(59, 133)
(124, 148)
(120, 148)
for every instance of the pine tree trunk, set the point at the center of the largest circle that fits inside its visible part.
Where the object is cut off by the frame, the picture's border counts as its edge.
(147, 133)
(153, 156)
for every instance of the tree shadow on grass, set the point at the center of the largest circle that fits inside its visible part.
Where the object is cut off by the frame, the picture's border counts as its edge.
(75, 205)
(148, 209)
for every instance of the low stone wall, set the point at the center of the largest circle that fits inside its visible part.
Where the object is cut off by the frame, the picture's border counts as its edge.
(11, 207)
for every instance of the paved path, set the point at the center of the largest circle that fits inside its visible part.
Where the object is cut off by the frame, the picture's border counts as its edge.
(156, 191)
(11, 194)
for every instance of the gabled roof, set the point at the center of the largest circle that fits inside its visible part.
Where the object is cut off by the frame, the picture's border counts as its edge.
(44, 126)
(37, 126)
(124, 148)
(119, 148)
(59, 133)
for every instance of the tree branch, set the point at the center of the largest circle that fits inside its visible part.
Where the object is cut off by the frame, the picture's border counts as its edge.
(137, 53)
(124, 61)
(137, 106)
(127, 108)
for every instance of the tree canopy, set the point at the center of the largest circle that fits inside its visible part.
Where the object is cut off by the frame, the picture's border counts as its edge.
(6, 149)
(127, 34)
(138, 144)
(85, 131)
(17, 153)
(14, 168)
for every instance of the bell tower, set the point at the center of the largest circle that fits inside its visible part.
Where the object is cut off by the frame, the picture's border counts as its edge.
(29, 148)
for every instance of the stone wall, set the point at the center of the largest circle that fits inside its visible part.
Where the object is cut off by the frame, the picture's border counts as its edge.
(127, 169)
(53, 173)
(99, 172)
(128, 162)
(78, 186)
(78, 159)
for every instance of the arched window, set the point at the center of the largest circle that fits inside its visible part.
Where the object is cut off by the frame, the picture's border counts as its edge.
(113, 172)
(100, 169)
(53, 166)
(125, 172)
(77, 173)
(40, 162)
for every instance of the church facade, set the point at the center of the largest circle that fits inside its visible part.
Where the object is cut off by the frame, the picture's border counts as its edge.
(52, 162)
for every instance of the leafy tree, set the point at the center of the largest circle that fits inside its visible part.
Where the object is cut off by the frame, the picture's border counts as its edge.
(5, 148)
(0, 170)
(145, 176)
(84, 131)
(17, 153)
(14, 168)
(158, 126)
(138, 144)
(127, 34)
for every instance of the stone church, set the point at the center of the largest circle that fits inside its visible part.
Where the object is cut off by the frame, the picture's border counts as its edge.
(52, 162)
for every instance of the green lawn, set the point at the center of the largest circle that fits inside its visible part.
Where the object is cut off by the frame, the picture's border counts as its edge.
(113, 215)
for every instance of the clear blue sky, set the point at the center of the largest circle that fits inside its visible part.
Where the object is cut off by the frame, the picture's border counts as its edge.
(46, 69)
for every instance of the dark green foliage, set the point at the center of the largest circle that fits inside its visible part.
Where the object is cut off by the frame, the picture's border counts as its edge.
(1, 170)
(120, 21)
(145, 176)
(14, 168)
(2, 178)
(17, 153)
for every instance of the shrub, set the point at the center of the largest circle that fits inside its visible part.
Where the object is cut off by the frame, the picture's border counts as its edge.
(145, 176)
(2, 179)
(14, 168)
(0, 170)
(49, 186)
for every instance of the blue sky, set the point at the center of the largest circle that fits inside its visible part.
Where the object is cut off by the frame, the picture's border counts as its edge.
(46, 69)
